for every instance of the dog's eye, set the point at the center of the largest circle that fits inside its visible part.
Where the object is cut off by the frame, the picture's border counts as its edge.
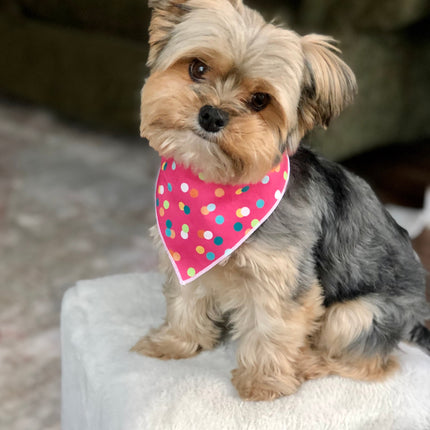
(197, 70)
(259, 101)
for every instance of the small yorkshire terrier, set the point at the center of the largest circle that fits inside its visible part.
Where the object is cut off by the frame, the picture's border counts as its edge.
(328, 283)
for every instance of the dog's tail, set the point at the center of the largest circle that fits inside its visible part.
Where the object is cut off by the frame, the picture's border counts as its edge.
(421, 336)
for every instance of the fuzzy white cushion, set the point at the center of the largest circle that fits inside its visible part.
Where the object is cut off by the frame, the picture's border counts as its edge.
(106, 387)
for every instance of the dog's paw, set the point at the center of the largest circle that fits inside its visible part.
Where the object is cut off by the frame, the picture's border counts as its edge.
(165, 346)
(254, 387)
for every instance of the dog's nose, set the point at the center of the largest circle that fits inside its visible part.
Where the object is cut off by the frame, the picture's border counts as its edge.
(212, 119)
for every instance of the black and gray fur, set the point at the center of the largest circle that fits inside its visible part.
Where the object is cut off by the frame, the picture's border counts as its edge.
(354, 247)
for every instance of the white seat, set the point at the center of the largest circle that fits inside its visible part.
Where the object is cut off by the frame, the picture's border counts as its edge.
(106, 387)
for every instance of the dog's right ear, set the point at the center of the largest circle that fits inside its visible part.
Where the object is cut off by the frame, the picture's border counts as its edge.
(166, 14)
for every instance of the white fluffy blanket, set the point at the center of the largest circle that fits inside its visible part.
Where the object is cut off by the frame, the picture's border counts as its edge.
(106, 387)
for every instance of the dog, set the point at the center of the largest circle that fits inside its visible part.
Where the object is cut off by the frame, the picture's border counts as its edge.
(327, 282)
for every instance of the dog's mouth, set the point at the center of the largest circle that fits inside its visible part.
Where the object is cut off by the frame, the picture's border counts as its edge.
(202, 134)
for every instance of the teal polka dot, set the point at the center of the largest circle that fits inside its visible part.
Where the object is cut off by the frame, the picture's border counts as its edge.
(173, 166)
(245, 189)
(219, 219)
(187, 210)
(158, 202)
(238, 226)
(168, 232)
(265, 180)
(218, 240)
(260, 203)
(210, 256)
(169, 187)
(169, 223)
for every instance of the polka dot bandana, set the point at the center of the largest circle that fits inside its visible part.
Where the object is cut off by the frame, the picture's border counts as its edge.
(201, 223)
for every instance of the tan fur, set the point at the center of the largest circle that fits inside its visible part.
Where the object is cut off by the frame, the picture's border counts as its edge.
(243, 153)
(252, 143)
(329, 352)
(316, 364)
(343, 324)
(329, 84)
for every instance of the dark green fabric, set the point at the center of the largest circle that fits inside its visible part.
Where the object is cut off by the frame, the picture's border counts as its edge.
(127, 18)
(84, 75)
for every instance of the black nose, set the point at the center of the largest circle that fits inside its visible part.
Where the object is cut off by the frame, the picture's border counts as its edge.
(212, 119)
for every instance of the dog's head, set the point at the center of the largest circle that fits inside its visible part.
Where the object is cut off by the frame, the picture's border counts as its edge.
(228, 93)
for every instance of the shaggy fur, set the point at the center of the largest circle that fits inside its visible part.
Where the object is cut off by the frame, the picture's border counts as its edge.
(329, 283)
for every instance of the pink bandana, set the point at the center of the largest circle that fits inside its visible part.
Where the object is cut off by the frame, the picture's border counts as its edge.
(201, 223)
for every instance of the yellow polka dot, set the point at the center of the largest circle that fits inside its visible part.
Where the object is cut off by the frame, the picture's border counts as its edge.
(239, 213)
(239, 191)
(161, 212)
(181, 206)
(204, 210)
(200, 250)
(172, 234)
(176, 256)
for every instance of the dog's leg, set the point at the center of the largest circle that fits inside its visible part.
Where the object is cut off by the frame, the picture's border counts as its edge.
(355, 341)
(271, 334)
(190, 324)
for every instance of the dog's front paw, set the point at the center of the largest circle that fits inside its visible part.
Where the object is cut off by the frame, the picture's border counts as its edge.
(165, 345)
(257, 387)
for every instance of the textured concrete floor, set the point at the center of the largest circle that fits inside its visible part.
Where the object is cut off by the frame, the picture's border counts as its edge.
(73, 205)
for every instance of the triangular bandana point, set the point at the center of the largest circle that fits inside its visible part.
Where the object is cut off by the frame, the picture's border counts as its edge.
(202, 223)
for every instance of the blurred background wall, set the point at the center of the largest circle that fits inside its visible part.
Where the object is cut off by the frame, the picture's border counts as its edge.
(86, 60)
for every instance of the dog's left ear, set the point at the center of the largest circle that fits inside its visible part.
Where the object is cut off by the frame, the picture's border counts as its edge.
(166, 14)
(329, 84)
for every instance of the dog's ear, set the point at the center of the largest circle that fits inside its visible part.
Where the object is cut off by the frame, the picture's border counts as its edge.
(329, 84)
(166, 14)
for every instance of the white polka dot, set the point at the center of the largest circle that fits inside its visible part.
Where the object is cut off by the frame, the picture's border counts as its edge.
(184, 187)
(184, 235)
(245, 211)
(161, 190)
(278, 195)
(208, 235)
